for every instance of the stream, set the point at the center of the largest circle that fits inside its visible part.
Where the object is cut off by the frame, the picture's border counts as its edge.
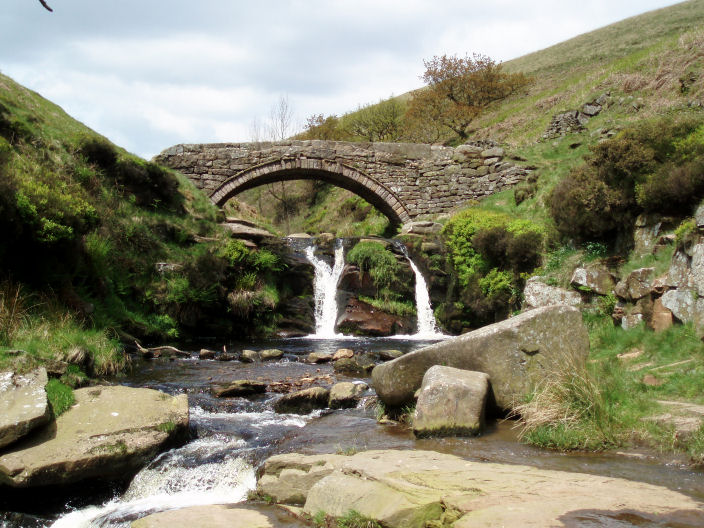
(232, 436)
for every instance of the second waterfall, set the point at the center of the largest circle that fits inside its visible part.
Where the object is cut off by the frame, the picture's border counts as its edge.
(325, 288)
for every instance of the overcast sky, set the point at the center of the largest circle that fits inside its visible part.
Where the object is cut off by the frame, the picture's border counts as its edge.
(150, 74)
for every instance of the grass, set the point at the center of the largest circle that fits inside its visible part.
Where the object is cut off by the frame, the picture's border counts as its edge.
(351, 519)
(400, 308)
(60, 397)
(606, 404)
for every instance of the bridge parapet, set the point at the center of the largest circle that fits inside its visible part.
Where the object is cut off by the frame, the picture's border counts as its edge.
(423, 179)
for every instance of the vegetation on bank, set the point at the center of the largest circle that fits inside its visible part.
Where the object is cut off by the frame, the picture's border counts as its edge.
(101, 248)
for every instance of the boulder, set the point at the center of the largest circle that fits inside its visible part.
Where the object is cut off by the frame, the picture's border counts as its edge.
(537, 294)
(23, 404)
(303, 401)
(699, 217)
(360, 365)
(416, 489)
(516, 354)
(681, 303)
(346, 394)
(213, 516)
(451, 402)
(636, 285)
(225, 356)
(342, 353)
(388, 355)
(206, 354)
(110, 433)
(250, 356)
(271, 354)
(646, 234)
(319, 357)
(239, 388)
(595, 279)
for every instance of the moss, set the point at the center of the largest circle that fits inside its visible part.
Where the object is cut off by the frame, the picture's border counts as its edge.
(60, 397)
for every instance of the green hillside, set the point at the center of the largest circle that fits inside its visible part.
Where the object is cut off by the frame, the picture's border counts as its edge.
(100, 246)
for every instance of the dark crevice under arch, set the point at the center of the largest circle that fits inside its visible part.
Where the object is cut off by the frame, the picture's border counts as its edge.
(335, 173)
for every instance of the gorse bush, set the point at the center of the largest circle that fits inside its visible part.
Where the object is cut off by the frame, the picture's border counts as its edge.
(656, 166)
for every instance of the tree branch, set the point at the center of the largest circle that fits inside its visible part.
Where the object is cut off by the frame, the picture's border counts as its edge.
(46, 6)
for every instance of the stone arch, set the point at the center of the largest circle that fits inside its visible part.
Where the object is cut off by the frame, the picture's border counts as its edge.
(330, 171)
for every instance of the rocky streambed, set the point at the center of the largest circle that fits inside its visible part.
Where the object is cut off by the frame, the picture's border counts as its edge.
(439, 480)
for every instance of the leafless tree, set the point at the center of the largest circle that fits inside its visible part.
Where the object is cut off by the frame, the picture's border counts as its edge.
(46, 6)
(281, 119)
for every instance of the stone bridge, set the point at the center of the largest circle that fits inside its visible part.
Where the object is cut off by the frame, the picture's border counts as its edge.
(402, 180)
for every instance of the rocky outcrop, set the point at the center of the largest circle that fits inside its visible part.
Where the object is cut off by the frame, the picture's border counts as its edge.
(23, 404)
(538, 294)
(451, 402)
(303, 401)
(360, 318)
(416, 489)
(636, 285)
(515, 353)
(576, 120)
(110, 433)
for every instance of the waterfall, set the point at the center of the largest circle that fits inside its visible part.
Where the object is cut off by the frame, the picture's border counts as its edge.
(427, 327)
(325, 290)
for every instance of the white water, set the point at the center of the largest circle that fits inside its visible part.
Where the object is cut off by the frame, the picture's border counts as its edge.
(427, 326)
(325, 291)
(174, 480)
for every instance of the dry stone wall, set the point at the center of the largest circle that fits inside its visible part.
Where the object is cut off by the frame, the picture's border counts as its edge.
(425, 179)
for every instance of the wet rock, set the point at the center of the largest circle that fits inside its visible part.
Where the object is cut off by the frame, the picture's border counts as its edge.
(360, 365)
(271, 354)
(636, 285)
(23, 404)
(346, 394)
(212, 516)
(451, 402)
(416, 489)
(388, 355)
(225, 356)
(342, 353)
(249, 356)
(515, 353)
(206, 354)
(239, 388)
(537, 294)
(110, 433)
(303, 401)
(360, 318)
(319, 357)
(595, 279)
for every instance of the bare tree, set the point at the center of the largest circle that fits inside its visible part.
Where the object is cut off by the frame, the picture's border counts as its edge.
(42, 2)
(281, 119)
(255, 130)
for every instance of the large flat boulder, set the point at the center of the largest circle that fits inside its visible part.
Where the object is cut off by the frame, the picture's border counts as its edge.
(23, 404)
(515, 353)
(407, 489)
(451, 402)
(212, 516)
(109, 433)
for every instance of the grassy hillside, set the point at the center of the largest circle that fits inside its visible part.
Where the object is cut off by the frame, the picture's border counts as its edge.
(99, 246)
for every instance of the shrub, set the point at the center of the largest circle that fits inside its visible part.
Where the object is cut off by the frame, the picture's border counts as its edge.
(672, 189)
(98, 151)
(381, 264)
(234, 252)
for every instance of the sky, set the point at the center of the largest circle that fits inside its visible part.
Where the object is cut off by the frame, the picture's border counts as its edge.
(149, 74)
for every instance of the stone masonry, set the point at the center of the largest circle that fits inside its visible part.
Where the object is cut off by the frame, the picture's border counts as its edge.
(403, 180)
